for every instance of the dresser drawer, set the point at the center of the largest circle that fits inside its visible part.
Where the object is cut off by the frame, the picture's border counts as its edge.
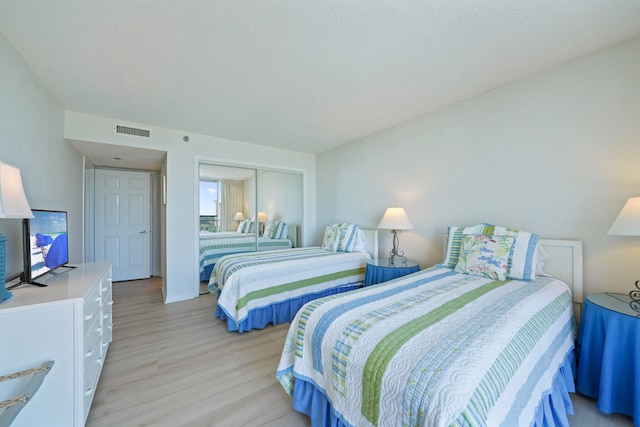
(92, 306)
(107, 331)
(92, 337)
(107, 302)
(93, 366)
(91, 379)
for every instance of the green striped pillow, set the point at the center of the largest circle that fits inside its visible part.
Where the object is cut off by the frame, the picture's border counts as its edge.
(275, 230)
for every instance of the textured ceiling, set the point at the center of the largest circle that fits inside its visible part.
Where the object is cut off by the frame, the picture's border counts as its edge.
(297, 74)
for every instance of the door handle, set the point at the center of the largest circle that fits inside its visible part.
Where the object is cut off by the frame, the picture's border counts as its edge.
(143, 232)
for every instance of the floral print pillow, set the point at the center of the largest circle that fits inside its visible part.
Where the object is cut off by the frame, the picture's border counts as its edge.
(485, 256)
(331, 238)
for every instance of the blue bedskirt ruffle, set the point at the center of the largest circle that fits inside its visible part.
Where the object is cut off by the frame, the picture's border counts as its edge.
(277, 313)
(551, 412)
(206, 273)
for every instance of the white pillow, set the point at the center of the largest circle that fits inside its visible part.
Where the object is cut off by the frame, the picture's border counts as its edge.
(243, 224)
(540, 256)
(361, 242)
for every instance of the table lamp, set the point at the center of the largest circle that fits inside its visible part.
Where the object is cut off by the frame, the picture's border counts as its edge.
(13, 204)
(395, 219)
(262, 218)
(628, 224)
(238, 217)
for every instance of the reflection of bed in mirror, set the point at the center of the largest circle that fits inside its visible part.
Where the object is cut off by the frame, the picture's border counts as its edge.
(233, 194)
(216, 245)
(256, 289)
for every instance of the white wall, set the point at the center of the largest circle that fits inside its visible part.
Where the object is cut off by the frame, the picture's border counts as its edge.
(557, 154)
(181, 214)
(31, 138)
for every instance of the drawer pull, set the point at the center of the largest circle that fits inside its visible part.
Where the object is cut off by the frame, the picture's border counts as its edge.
(105, 316)
(88, 391)
(110, 302)
(98, 299)
(99, 330)
(88, 354)
(88, 316)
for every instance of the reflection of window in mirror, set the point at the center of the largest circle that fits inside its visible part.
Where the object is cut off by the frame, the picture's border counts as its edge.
(209, 206)
(223, 189)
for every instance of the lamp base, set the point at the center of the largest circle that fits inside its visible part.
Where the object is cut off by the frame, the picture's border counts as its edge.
(4, 294)
(396, 252)
(635, 297)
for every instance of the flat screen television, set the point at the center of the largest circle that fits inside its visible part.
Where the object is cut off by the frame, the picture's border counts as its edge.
(45, 244)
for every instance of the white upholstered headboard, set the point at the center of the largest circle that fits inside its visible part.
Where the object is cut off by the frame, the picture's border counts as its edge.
(372, 242)
(292, 234)
(564, 263)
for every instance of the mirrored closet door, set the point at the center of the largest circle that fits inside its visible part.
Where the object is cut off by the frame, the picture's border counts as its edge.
(237, 205)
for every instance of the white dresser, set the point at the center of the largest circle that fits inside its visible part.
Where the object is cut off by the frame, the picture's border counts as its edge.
(68, 322)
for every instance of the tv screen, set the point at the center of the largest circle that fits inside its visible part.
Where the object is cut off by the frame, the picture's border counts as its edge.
(45, 243)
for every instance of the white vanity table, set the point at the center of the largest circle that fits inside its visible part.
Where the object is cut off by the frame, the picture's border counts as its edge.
(68, 322)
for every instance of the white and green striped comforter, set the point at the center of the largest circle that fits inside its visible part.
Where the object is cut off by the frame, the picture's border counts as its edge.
(433, 348)
(216, 245)
(260, 279)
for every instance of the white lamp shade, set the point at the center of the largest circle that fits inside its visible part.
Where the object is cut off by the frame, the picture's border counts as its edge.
(395, 218)
(262, 217)
(13, 202)
(238, 216)
(628, 221)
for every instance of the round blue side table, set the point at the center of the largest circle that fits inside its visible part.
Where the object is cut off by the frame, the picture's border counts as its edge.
(378, 270)
(609, 343)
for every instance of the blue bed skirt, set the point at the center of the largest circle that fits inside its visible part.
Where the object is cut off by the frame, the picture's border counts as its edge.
(206, 273)
(551, 412)
(278, 313)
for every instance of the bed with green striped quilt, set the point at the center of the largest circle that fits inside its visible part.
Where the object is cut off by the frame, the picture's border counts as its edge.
(435, 348)
(216, 245)
(255, 289)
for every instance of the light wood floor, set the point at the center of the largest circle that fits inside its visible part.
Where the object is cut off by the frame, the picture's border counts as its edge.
(176, 365)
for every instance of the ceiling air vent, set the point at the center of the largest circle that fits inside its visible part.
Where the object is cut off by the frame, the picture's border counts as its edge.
(128, 130)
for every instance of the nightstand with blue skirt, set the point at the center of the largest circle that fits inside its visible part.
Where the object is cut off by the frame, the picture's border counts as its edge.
(380, 270)
(609, 354)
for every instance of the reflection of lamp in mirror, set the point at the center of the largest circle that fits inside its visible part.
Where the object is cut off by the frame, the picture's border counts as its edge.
(628, 224)
(262, 218)
(238, 216)
(13, 204)
(395, 219)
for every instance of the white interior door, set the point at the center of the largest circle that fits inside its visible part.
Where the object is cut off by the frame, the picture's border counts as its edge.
(123, 222)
